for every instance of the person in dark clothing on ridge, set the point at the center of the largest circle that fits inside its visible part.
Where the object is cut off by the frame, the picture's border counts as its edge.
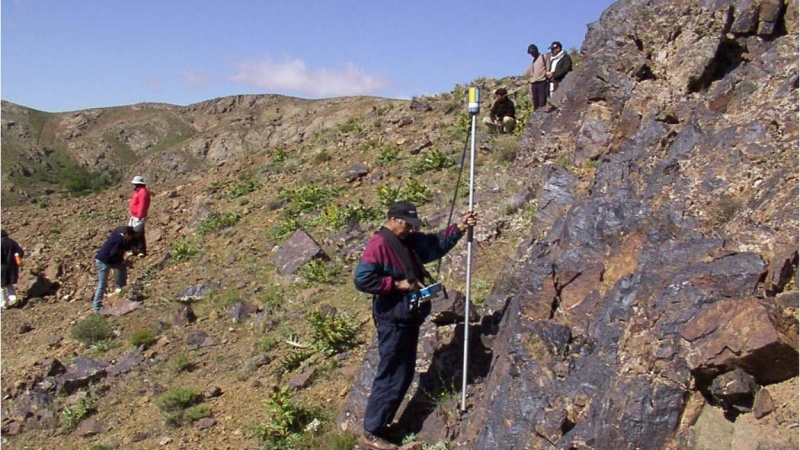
(112, 256)
(381, 272)
(12, 254)
(502, 117)
(560, 65)
(537, 73)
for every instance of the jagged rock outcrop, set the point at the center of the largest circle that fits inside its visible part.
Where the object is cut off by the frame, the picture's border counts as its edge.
(654, 265)
(646, 295)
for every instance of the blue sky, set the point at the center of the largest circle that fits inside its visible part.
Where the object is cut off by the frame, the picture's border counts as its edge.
(65, 55)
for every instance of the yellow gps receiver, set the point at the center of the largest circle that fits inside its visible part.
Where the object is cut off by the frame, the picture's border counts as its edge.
(474, 100)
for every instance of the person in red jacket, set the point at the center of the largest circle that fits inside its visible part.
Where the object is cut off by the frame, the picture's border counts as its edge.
(140, 204)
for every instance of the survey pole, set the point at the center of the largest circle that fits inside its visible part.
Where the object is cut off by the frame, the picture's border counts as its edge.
(474, 108)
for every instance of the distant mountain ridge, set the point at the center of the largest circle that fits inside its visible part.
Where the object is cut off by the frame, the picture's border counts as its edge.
(44, 150)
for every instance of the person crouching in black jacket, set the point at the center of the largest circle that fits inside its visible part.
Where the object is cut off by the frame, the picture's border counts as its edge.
(502, 117)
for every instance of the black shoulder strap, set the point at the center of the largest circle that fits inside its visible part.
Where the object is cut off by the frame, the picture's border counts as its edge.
(8, 252)
(413, 268)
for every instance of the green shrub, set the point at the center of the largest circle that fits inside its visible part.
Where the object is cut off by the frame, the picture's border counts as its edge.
(353, 125)
(564, 160)
(277, 160)
(333, 440)
(442, 391)
(178, 399)
(197, 412)
(433, 160)
(183, 250)
(309, 197)
(387, 155)
(100, 447)
(215, 187)
(244, 186)
(388, 194)
(287, 224)
(416, 192)
(505, 149)
(333, 333)
(336, 217)
(461, 130)
(320, 271)
(294, 359)
(73, 415)
(216, 222)
(286, 423)
(368, 144)
(84, 182)
(145, 338)
(457, 98)
(181, 363)
(267, 343)
(92, 330)
(174, 403)
(273, 296)
(524, 108)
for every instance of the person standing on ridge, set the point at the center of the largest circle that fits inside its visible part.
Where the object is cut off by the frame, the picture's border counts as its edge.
(396, 249)
(139, 206)
(537, 76)
(12, 254)
(560, 65)
(502, 117)
(112, 256)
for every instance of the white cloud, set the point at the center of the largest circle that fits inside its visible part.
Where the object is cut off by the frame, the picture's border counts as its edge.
(194, 79)
(294, 75)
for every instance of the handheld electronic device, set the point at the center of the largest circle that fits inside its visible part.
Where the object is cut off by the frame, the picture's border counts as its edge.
(425, 294)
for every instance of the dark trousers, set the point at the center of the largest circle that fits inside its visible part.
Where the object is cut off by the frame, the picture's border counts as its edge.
(140, 246)
(539, 91)
(398, 351)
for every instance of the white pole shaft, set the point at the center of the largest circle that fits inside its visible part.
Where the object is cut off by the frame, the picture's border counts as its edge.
(469, 269)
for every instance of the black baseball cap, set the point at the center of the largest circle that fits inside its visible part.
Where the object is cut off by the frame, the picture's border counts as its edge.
(406, 211)
(556, 44)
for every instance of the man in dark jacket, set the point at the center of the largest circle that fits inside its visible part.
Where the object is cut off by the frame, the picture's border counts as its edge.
(503, 115)
(381, 273)
(111, 256)
(560, 65)
(12, 255)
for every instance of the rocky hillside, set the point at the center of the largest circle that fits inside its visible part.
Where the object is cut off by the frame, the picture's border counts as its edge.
(635, 272)
(261, 206)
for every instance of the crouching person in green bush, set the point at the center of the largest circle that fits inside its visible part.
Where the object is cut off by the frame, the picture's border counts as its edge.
(112, 256)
